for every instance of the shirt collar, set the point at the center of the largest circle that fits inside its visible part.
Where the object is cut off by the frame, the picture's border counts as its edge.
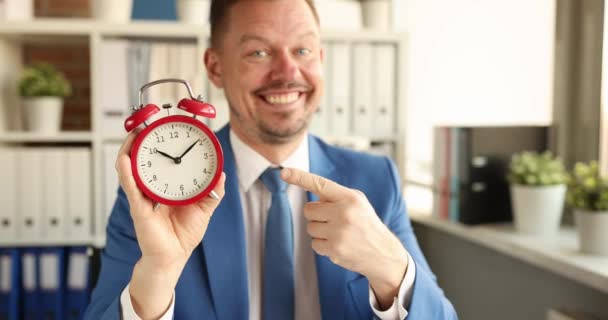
(250, 165)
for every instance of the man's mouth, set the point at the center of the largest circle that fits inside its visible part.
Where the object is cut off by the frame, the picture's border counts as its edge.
(281, 98)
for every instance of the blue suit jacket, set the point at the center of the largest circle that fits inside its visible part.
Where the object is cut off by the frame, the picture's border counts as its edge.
(213, 284)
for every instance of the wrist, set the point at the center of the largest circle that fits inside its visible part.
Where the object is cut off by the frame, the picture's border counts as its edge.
(388, 274)
(151, 289)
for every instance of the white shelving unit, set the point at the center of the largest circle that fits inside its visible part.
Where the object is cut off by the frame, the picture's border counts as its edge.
(44, 30)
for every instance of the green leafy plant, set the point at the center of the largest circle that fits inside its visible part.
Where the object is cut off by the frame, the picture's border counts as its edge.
(588, 190)
(534, 169)
(43, 79)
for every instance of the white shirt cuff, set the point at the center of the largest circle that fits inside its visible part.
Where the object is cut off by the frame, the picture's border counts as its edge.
(403, 298)
(128, 313)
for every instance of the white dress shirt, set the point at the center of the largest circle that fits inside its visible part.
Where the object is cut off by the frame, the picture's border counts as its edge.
(255, 202)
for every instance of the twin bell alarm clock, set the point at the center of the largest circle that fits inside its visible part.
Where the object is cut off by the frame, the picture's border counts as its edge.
(176, 160)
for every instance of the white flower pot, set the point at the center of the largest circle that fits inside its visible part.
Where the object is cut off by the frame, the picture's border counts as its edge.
(376, 14)
(43, 114)
(537, 210)
(193, 11)
(116, 11)
(592, 231)
(17, 10)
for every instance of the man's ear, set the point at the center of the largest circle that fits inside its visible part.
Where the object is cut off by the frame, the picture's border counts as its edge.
(214, 69)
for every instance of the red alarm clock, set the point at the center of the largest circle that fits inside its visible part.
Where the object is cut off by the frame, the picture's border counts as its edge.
(177, 160)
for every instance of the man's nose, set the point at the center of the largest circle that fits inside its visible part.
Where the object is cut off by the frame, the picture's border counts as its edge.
(285, 67)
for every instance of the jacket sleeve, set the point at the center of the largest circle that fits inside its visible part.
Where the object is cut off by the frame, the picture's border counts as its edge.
(428, 300)
(118, 258)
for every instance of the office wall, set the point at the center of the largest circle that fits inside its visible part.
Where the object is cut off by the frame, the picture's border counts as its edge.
(472, 62)
(483, 284)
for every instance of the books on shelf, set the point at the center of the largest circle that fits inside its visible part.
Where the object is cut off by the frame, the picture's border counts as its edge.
(44, 283)
(47, 194)
(127, 65)
(470, 167)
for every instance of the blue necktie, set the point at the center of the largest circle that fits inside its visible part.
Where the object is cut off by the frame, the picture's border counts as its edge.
(278, 290)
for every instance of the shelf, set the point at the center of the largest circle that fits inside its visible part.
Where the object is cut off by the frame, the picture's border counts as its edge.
(559, 255)
(85, 27)
(62, 137)
(45, 242)
(156, 29)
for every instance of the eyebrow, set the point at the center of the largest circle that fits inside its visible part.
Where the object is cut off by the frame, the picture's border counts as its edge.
(252, 37)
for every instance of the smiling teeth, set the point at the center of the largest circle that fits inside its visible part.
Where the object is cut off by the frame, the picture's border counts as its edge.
(282, 98)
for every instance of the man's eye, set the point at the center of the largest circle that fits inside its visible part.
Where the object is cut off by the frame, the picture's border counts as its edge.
(303, 51)
(259, 54)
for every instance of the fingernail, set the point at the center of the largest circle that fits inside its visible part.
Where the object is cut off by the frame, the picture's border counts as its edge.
(285, 173)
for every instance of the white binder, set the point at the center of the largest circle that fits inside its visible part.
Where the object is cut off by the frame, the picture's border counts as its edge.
(8, 193)
(362, 89)
(110, 177)
(160, 68)
(340, 102)
(190, 70)
(384, 91)
(319, 122)
(78, 189)
(219, 101)
(29, 195)
(113, 86)
(54, 196)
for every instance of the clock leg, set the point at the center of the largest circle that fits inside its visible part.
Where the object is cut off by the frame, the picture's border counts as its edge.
(214, 195)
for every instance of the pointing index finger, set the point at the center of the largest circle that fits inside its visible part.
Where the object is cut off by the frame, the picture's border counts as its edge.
(325, 189)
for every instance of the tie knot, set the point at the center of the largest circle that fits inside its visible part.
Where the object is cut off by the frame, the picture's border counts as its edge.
(272, 180)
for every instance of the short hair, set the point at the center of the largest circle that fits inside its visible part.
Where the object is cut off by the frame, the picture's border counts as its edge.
(219, 12)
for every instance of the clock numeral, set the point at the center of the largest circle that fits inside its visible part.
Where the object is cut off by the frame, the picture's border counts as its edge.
(149, 164)
(181, 187)
(153, 151)
(205, 155)
(195, 182)
(188, 134)
(160, 139)
(174, 135)
(200, 142)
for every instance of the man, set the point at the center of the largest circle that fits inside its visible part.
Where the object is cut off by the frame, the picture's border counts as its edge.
(344, 250)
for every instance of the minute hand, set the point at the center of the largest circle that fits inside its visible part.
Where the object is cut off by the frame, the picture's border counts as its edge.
(189, 148)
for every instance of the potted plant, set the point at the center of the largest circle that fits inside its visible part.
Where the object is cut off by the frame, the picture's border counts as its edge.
(538, 188)
(588, 196)
(43, 88)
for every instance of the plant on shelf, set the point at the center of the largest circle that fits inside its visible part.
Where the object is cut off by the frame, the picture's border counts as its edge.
(538, 188)
(43, 88)
(588, 196)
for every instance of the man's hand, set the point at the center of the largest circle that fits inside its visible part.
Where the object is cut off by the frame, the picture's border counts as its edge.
(344, 226)
(166, 238)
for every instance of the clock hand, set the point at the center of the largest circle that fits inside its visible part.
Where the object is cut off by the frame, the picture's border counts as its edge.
(189, 148)
(176, 160)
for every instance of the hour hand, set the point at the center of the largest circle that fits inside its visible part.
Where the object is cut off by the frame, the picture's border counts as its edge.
(168, 156)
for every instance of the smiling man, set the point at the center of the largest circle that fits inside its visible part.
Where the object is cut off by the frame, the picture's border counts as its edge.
(302, 230)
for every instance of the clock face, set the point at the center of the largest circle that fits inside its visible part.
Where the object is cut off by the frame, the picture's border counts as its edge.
(177, 160)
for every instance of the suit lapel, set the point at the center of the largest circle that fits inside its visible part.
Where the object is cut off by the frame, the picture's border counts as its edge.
(331, 278)
(224, 245)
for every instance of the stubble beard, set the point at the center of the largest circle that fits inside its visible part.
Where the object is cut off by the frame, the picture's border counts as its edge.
(268, 133)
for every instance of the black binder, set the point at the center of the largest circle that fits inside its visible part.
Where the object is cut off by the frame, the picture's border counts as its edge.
(484, 154)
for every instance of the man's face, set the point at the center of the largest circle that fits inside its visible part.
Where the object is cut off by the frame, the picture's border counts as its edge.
(269, 64)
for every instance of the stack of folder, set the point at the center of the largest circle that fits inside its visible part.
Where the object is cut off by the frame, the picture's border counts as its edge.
(51, 283)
